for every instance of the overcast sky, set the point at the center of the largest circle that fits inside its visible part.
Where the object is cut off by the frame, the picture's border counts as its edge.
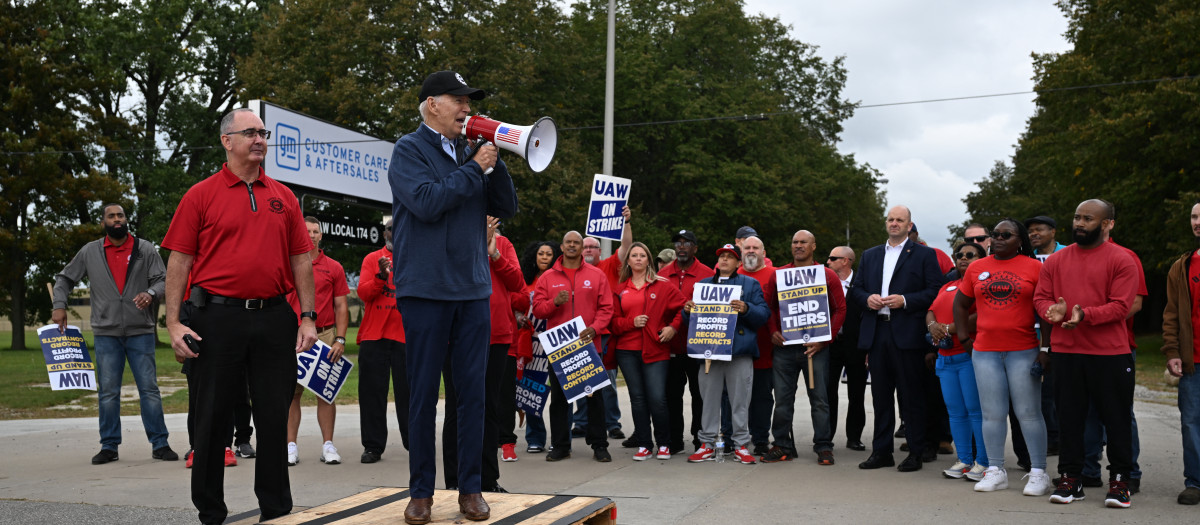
(932, 154)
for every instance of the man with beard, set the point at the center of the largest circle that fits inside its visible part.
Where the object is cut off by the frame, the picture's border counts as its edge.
(1084, 294)
(685, 271)
(756, 266)
(125, 276)
(1180, 345)
(381, 353)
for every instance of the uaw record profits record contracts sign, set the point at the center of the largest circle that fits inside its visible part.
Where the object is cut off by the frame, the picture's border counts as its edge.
(67, 360)
(319, 375)
(804, 305)
(712, 321)
(575, 363)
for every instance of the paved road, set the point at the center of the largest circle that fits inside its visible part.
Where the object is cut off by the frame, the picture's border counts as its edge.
(46, 477)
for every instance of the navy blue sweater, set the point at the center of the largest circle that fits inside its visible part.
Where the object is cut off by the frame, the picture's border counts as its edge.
(439, 223)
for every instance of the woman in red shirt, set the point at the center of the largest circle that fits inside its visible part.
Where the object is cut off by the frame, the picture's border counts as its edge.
(644, 309)
(956, 374)
(1005, 347)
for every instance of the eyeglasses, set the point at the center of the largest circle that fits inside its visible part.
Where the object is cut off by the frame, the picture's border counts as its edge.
(976, 239)
(966, 255)
(251, 132)
(832, 258)
(1004, 236)
(684, 244)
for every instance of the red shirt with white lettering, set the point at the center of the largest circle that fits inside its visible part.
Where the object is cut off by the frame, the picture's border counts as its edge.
(118, 259)
(242, 241)
(1003, 293)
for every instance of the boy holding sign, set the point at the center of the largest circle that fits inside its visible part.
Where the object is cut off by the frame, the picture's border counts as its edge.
(736, 374)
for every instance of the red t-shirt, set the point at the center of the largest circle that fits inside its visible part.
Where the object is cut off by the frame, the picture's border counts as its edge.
(633, 304)
(118, 260)
(1194, 288)
(1003, 293)
(943, 312)
(239, 251)
(612, 269)
(329, 279)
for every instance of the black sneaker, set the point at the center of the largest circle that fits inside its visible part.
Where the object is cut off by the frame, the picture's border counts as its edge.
(557, 454)
(164, 453)
(761, 449)
(602, 455)
(370, 456)
(629, 443)
(777, 454)
(243, 450)
(535, 449)
(616, 434)
(106, 455)
(1068, 489)
(1118, 494)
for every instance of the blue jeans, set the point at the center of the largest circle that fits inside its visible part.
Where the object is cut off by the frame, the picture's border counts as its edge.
(961, 394)
(612, 412)
(535, 430)
(647, 384)
(789, 364)
(999, 376)
(1189, 416)
(111, 353)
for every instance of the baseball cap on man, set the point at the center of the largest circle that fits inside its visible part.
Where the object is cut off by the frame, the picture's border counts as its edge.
(686, 235)
(450, 82)
(1041, 219)
(731, 249)
(745, 231)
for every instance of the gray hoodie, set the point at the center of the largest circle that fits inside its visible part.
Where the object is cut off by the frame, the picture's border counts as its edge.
(114, 314)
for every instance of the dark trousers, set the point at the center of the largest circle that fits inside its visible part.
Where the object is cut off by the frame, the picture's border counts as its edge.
(506, 408)
(1105, 382)
(897, 372)
(681, 371)
(846, 356)
(647, 384)
(381, 362)
(437, 331)
(762, 405)
(937, 419)
(240, 429)
(560, 415)
(241, 345)
(490, 473)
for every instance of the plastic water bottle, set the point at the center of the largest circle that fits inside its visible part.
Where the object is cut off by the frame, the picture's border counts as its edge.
(720, 446)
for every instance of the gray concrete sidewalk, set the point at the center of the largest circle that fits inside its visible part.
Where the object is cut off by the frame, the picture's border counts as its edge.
(47, 477)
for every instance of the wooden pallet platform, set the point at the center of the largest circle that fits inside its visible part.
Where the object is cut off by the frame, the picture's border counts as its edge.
(385, 505)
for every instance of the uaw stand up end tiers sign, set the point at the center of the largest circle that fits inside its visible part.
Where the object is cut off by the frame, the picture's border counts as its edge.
(575, 363)
(804, 305)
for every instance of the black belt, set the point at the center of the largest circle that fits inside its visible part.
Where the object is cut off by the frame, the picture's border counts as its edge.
(884, 317)
(249, 304)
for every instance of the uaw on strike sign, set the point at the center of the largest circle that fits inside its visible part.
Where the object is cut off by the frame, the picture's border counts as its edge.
(319, 375)
(575, 363)
(804, 315)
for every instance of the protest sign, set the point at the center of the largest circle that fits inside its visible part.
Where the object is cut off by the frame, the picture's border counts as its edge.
(576, 363)
(532, 390)
(804, 315)
(67, 360)
(609, 197)
(712, 321)
(315, 372)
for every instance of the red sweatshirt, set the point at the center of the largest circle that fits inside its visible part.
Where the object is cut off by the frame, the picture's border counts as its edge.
(661, 302)
(381, 318)
(765, 347)
(590, 297)
(1103, 280)
(506, 278)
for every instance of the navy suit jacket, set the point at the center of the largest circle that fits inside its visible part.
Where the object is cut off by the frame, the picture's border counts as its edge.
(917, 277)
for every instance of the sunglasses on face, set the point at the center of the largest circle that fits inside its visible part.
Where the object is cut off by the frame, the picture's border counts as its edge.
(965, 255)
(684, 244)
(251, 132)
(976, 239)
(1004, 236)
(834, 258)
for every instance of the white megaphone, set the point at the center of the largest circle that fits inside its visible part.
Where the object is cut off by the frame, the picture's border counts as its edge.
(534, 143)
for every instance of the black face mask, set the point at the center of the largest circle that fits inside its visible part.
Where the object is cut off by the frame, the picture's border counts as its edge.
(120, 231)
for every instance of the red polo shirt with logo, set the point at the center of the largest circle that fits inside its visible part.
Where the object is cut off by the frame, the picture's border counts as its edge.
(118, 259)
(329, 279)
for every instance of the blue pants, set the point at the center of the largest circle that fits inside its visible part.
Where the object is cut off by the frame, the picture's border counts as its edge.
(999, 377)
(957, 376)
(435, 331)
(1189, 416)
(535, 430)
(647, 384)
(111, 353)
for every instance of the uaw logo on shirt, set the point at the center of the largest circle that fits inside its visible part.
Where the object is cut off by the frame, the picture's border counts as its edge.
(1002, 289)
(275, 204)
(287, 147)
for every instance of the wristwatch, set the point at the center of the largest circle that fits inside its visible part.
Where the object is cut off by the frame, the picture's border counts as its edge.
(339, 339)
(310, 314)
(151, 292)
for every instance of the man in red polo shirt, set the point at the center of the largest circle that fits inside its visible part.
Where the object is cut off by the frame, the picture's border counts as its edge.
(381, 352)
(685, 271)
(239, 236)
(333, 318)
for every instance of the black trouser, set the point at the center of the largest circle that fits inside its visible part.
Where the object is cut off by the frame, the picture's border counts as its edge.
(897, 372)
(682, 371)
(240, 429)
(506, 410)
(560, 415)
(489, 475)
(240, 345)
(381, 362)
(846, 355)
(937, 419)
(1106, 382)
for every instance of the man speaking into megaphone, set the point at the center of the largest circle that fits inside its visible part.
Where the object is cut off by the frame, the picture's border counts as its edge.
(441, 197)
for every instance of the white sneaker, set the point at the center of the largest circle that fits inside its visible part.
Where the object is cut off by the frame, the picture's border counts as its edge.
(329, 455)
(993, 479)
(957, 470)
(293, 454)
(976, 472)
(1038, 484)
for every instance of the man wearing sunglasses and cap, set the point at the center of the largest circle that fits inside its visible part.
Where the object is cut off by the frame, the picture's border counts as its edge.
(442, 194)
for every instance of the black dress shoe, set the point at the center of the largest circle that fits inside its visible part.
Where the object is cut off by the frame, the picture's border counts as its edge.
(602, 455)
(616, 434)
(878, 461)
(929, 455)
(855, 445)
(558, 455)
(912, 463)
(629, 443)
(370, 456)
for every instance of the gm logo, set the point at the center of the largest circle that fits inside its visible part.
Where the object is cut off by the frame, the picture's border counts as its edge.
(287, 147)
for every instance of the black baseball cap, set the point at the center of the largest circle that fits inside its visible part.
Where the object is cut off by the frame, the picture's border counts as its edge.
(745, 231)
(1041, 219)
(686, 235)
(450, 82)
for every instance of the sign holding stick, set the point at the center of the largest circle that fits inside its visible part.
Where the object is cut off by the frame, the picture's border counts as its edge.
(315, 372)
(67, 360)
(576, 363)
(609, 197)
(712, 321)
(804, 315)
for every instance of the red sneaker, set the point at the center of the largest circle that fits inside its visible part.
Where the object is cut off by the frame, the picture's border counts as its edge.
(230, 459)
(743, 455)
(642, 454)
(188, 456)
(508, 452)
(704, 453)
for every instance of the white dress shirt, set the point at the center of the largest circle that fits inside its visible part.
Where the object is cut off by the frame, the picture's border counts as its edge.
(891, 254)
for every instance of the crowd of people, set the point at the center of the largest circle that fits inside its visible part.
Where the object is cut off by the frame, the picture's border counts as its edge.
(1011, 331)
